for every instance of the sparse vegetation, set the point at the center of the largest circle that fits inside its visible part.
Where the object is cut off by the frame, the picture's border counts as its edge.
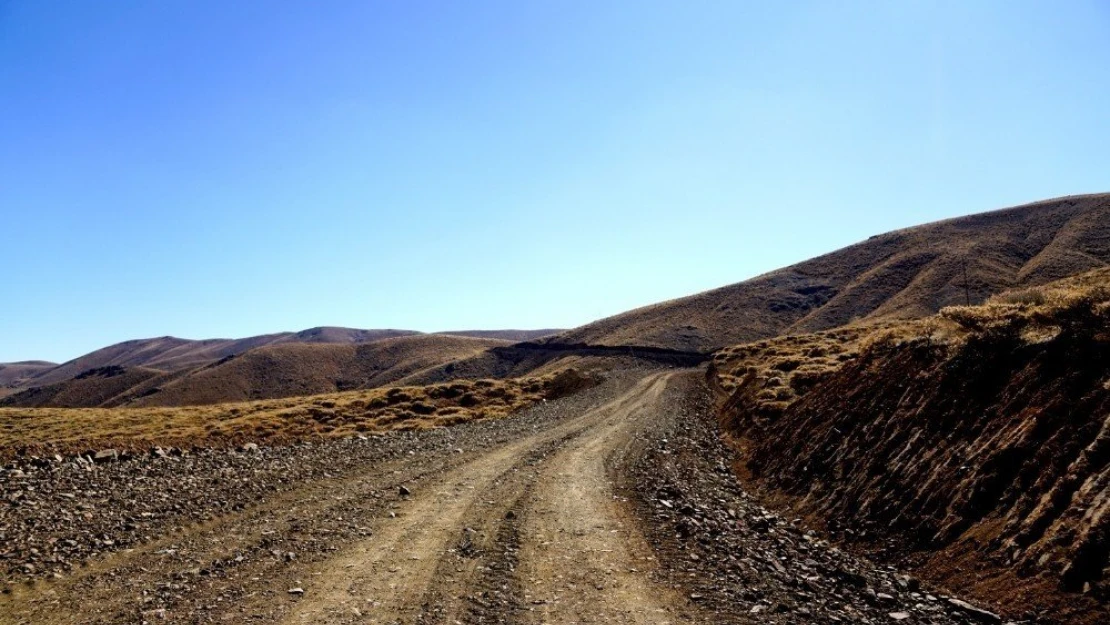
(778, 371)
(52, 430)
(1034, 314)
(774, 373)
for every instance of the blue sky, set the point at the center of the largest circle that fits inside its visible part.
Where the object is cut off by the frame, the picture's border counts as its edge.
(205, 169)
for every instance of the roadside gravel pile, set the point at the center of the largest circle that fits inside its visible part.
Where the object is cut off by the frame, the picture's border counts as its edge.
(744, 563)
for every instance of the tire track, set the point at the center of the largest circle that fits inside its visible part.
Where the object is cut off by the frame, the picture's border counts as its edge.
(584, 560)
(388, 577)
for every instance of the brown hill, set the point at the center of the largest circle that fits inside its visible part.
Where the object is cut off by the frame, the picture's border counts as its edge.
(272, 371)
(169, 353)
(903, 274)
(304, 369)
(14, 375)
(95, 387)
(33, 431)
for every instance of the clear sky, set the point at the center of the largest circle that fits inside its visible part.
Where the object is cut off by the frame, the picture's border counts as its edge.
(205, 168)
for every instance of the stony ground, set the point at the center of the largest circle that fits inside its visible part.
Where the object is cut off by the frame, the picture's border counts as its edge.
(614, 505)
(745, 563)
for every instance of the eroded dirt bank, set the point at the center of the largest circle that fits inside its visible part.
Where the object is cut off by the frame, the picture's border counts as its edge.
(614, 505)
(986, 465)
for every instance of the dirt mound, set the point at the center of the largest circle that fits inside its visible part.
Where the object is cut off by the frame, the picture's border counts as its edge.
(899, 275)
(982, 458)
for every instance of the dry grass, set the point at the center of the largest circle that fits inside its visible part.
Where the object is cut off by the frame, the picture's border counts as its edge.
(1037, 314)
(782, 369)
(776, 372)
(51, 430)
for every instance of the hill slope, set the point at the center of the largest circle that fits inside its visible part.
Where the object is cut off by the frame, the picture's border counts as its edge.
(507, 335)
(903, 274)
(285, 369)
(15, 374)
(302, 369)
(169, 353)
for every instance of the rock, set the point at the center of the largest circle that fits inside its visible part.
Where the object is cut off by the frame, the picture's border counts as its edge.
(908, 583)
(404, 492)
(510, 515)
(899, 616)
(977, 614)
(248, 447)
(105, 455)
(296, 591)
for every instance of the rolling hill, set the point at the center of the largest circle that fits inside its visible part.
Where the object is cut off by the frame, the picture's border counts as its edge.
(903, 274)
(172, 371)
(15, 374)
(169, 353)
(507, 335)
(297, 369)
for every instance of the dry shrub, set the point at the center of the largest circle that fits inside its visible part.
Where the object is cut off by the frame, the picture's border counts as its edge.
(1022, 297)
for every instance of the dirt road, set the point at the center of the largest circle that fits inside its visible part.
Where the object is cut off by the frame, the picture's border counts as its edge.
(531, 520)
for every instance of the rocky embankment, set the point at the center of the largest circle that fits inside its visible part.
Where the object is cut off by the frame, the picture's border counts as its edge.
(747, 564)
(985, 465)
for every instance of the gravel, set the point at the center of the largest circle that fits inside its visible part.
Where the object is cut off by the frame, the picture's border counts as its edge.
(745, 563)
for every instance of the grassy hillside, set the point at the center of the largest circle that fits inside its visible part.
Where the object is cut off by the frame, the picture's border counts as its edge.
(904, 274)
(973, 444)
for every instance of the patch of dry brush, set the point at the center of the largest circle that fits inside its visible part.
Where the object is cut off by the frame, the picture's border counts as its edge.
(40, 431)
(767, 376)
(776, 372)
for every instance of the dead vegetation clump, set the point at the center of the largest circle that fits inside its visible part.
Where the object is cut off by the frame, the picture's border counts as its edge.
(38, 431)
(776, 372)
(1035, 315)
